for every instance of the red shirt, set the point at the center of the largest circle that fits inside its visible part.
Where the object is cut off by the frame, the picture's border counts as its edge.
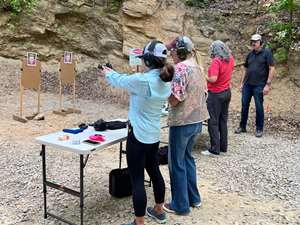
(223, 71)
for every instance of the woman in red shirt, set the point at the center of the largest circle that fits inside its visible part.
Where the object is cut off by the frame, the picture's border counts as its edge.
(219, 95)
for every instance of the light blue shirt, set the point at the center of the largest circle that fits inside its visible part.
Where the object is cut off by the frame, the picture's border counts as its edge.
(148, 93)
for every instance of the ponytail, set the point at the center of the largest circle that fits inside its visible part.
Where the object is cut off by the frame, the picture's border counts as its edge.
(167, 73)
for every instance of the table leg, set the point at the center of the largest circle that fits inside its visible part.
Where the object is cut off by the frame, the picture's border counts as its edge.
(43, 154)
(120, 156)
(81, 189)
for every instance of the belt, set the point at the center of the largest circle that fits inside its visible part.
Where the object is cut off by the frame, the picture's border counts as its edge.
(219, 92)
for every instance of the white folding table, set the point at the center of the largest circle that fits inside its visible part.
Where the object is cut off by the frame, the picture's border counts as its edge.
(83, 150)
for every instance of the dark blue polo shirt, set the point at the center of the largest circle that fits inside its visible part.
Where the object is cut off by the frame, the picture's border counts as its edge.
(257, 66)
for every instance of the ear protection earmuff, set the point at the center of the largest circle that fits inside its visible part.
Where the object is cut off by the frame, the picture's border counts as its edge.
(181, 50)
(261, 42)
(149, 57)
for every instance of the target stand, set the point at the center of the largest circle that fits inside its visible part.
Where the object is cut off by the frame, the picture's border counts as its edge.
(30, 79)
(67, 73)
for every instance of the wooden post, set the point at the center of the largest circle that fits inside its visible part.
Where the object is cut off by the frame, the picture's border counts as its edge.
(60, 96)
(74, 95)
(74, 110)
(39, 100)
(20, 118)
(21, 99)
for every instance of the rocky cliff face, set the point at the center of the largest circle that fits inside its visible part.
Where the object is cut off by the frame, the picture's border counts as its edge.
(163, 20)
(57, 26)
(87, 28)
(95, 35)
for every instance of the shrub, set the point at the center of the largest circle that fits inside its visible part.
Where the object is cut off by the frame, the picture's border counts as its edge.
(285, 29)
(281, 55)
(196, 3)
(113, 6)
(18, 6)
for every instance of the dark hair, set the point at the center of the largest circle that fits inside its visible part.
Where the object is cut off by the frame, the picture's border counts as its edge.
(167, 72)
(181, 49)
(157, 62)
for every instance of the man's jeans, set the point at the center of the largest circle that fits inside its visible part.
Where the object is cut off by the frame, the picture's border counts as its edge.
(182, 167)
(257, 92)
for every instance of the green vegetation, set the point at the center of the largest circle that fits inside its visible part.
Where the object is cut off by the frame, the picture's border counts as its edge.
(281, 55)
(18, 6)
(113, 6)
(285, 28)
(196, 3)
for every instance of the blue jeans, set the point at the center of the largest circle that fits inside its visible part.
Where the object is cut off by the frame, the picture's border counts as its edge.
(182, 167)
(257, 92)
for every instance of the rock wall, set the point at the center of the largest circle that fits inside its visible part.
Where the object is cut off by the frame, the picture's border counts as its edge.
(56, 26)
(95, 35)
(294, 67)
(158, 19)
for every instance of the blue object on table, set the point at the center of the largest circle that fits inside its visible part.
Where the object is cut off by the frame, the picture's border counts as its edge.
(73, 131)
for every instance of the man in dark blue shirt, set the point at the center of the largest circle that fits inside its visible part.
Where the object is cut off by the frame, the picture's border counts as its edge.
(256, 82)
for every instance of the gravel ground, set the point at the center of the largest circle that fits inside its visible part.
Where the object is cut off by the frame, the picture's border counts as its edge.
(256, 182)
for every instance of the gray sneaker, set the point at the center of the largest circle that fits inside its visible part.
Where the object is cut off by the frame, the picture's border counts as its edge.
(259, 133)
(132, 223)
(240, 130)
(159, 218)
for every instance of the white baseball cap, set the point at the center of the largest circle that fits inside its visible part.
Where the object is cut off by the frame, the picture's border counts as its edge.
(160, 50)
(256, 37)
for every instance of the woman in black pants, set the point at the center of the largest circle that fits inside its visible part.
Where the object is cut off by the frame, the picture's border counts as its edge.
(148, 93)
(219, 95)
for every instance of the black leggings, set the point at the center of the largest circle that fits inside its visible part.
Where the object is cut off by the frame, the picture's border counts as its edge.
(139, 157)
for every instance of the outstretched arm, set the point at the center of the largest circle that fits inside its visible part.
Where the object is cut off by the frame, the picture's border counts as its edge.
(135, 83)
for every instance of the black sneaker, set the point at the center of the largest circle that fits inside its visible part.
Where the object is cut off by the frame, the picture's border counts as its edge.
(240, 130)
(259, 133)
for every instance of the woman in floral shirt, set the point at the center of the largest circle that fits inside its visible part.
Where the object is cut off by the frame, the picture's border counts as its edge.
(187, 112)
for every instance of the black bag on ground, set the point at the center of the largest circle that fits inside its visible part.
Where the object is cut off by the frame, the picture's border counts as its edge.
(119, 183)
(163, 155)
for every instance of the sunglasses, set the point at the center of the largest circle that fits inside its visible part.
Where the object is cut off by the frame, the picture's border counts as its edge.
(254, 42)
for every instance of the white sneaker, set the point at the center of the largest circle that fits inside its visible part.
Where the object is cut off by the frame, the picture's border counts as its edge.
(197, 205)
(207, 153)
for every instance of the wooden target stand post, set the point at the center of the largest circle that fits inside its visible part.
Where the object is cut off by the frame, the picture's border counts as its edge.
(67, 73)
(30, 79)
